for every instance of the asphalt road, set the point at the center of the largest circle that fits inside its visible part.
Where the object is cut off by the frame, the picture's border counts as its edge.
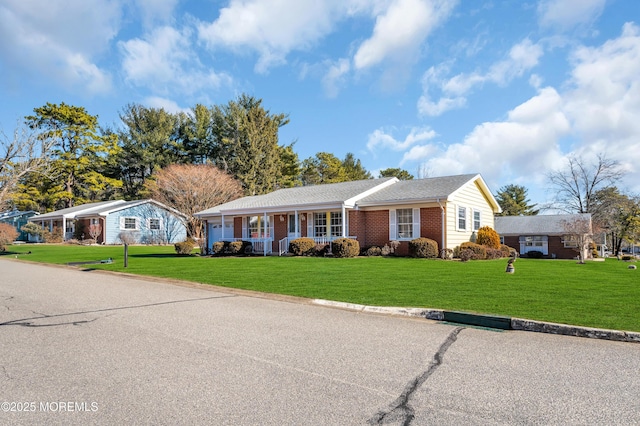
(82, 347)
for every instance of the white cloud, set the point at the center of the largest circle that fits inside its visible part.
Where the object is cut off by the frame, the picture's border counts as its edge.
(427, 107)
(380, 138)
(165, 62)
(154, 11)
(418, 153)
(566, 14)
(597, 112)
(272, 28)
(525, 144)
(167, 104)
(335, 77)
(44, 41)
(401, 29)
(604, 98)
(522, 57)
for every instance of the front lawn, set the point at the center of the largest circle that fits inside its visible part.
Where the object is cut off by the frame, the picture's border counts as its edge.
(598, 294)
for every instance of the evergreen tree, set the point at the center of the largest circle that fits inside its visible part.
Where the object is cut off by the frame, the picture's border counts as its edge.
(246, 143)
(195, 132)
(79, 160)
(513, 201)
(353, 168)
(149, 143)
(396, 172)
(325, 167)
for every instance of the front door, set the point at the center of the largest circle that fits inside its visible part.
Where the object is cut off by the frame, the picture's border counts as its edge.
(292, 234)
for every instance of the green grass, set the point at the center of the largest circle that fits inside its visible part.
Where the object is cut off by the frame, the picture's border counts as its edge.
(598, 294)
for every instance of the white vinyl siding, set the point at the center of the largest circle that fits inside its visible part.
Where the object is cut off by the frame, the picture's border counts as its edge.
(473, 199)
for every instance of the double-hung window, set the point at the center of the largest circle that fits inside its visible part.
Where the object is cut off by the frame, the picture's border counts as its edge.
(259, 226)
(336, 224)
(129, 223)
(154, 224)
(404, 220)
(319, 224)
(476, 220)
(404, 224)
(462, 218)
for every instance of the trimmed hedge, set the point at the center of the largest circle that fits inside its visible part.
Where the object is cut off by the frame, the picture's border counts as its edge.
(372, 251)
(508, 251)
(487, 236)
(185, 247)
(535, 254)
(345, 247)
(423, 248)
(472, 251)
(231, 248)
(220, 247)
(302, 246)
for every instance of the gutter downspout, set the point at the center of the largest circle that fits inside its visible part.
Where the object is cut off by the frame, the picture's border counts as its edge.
(442, 219)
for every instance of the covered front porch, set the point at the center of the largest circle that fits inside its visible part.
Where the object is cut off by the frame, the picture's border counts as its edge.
(271, 232)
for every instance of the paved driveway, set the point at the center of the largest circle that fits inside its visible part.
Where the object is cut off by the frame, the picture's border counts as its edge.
(91, 348)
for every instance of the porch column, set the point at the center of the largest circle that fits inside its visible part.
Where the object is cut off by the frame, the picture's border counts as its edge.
(264, 234)
(222, 234)
(344, 222)
(296, 230)
(64, 228)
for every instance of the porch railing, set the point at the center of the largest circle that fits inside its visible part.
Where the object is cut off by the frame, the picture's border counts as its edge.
(283, 244)
(259, 245)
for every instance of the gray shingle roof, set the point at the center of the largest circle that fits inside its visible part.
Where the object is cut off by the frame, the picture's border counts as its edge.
(333, 193)
(83, 208)
(418, 189)
(535, 225)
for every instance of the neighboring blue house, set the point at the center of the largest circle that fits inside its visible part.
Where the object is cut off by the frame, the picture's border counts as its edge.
(17, 219)
(110, 222)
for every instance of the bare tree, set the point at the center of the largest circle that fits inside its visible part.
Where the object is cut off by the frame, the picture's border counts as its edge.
(578, 230)
(95, 229)
(191, 188)
(25, 153)
(577, 184)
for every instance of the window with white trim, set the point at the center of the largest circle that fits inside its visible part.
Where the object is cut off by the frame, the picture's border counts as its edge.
(570, 241)
(129, 223)
(319, 224)
(476, 220)
(336, 224)
(533, 240)
(404, 223)
(462, 218)
(155, 224)
(256, 226)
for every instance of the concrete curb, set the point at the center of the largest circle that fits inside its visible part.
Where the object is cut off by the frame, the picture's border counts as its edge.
(518, 324)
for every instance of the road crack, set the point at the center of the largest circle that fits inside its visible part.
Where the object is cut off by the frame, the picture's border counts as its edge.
(400, 410)
(27, 322)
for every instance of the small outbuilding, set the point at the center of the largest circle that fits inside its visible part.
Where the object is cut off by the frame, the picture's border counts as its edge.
(552, 235)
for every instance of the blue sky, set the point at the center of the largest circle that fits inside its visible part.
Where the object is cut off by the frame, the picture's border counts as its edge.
(504, 88)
